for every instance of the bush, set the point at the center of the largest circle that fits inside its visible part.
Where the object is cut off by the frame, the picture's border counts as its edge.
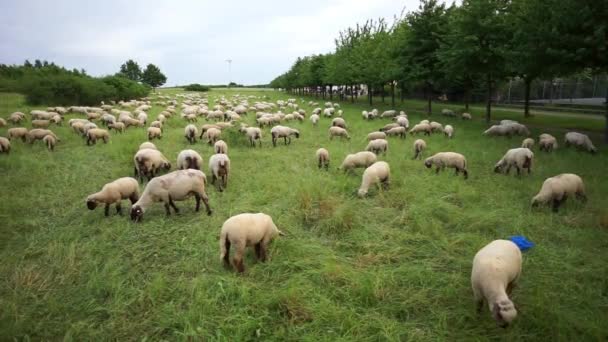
(196, 87)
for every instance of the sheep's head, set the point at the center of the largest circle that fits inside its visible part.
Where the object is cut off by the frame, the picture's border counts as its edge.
(504, 312)
(296, 133)
(91, 204)
(498, 167)
(535, 203)
(362, 193)
(428, 163)
(166, 166)
(593, 150)
(137, 213)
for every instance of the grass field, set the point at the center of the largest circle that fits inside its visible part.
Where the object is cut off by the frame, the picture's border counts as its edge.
(393, 266)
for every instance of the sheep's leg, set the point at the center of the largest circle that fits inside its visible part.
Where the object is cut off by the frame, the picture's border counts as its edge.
(581, 196)
(260, 141)
(226, 258)
(205, 199)
(257, 247)
(416, 155)
(457, 171)
(518, 170)
(466, 174)
(118, 208)
(238, 256)
(172, 204)
(274, 141)
(107, 210)
(557, 203)
(508, 169)
(197, 197)
(327, 166)
(437, 170)
(167, 209)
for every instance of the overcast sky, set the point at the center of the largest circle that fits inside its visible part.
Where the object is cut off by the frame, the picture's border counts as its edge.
(189, 40)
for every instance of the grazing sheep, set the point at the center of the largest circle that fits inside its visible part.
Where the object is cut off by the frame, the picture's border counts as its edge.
(96, 133)
(189, 159)
(335, 131)
(357, 160)
(466, 116)
(450, 159)
(376, 135)
(419, 146)
(378, 173)
(113, 193)
(421, 127)
(154, 132)
(190, 132)
(147, 144)
(245, 230)
(579, 140)
(16, 117)
(148, 161)
(283, 132)
(213, 135)
(377, 146)
(519, 129)
(557, 189)
(157, 124)
(17, 132)
(500, 130)
(448, 130)
(496, 269)
(220, 146)
(328, 112)
(50, 142)
(39, 134)
(219, 167)
(436, 127)
(5, 145)
(323, 158)
(175, 186)
(520, 158)
(388, 127)
(253, 133)
(41, 123)
(314, 119)
(402, 121)
(448, 112)
(117, 126)
(2, 122)
(528, 143)
(388, 113)
(547, 142)
(400, 131)
(339, 122)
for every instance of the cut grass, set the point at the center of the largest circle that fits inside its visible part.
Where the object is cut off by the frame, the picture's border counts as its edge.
(393, 266)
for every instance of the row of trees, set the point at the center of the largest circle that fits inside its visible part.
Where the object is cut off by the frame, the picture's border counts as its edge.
(151, 75)
(479, 44)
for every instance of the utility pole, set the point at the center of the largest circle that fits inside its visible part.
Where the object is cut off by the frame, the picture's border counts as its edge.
(229, 71)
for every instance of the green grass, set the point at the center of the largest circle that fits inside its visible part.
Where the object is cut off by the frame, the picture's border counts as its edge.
(393, 266)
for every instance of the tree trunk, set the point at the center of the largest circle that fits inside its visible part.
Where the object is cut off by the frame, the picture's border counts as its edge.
(393, 94)
(528, 86)
(382, 93)
(331, 92)
(369, 93)
(429, 97)
(352, 94)
(489, 95)
(402, 92)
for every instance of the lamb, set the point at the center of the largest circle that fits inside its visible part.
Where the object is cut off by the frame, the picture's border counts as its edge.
(528, 143)
(96, 133)
(496, 269)
(377, 146)
(448, 130)
(376, 135)
(283, 132)
(466, 116)
(314, 119)
(5, 145)
(154, 132)
(147, 144)
(17, 132)
(41, 123)
(117, 126)
(339, 122)
(148, 161)
(400, 131)
(557, 189)
(547, 142)
(175, 186)
(113, 193)
(38, 134)
(253, 133)
(357, 160)
(323, 158)
(189, 159)
(220, 146)
(219, 167)
(520, 158)
(419, 146)
(213, 135)
(245, 230)
(378, 172)
(335, 131)
(190, 132)
(579, 140)
(450, 159)
(50, 142)
(421, 127)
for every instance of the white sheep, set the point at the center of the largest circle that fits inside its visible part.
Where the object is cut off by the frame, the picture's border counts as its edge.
(547, 142)
(39, 134)
(41, 123)
(419, 146)
(421, 127)
(2, 122)
(580, 141)
(448, 159)
(388, 113)
(448, 112)
(357, 160)
(219, 168)
(448, 130)
(253, 133)
(496, 269)
(339, 122)
(147, 162)
(400, 131)
(5, 145)
(113, 193)
(96, 133)
(520, 158)
(246, 230)
(175, 186)
(154, 132)
(189, 159)
(557, 189)
(314, 119)
(388, 127)
(283, 132)
(528, 143)
(220, 146)
(147, 144)
(378, 173)
(500, 130)
(50, 142)
(466, 116)
(377, 146)
(17, 132)
(402, 121)
(376, 135)
(436, 127)
(335, 131)
(190, 133)
(213, 135)
(323, 158)
(117, 126)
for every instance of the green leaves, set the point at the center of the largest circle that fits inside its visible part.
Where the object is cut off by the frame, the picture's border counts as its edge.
(153, 77)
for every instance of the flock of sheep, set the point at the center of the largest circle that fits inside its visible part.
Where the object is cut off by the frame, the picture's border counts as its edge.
(496, 267)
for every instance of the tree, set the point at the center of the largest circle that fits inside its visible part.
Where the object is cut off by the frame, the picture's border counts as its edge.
(153, 77)
(131, 70)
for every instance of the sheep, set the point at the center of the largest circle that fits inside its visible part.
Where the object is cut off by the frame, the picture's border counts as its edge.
(16, 117)
(377, 146)
(85, 128)
(448, 112)
(96, 133)
(154, 132)
(219, 167)
(547, 142)
(528, 143)
(400, 131)
(283, 132)
(2, 122)
(580, 141)
(108, 119)
(449, 159)
(147, 162)
(206, 127)
(189, 159)
(388, 127)
(213, 135)
(376, 135)
(402, 121)
(500, 130)
(557, 189)
(50, 142)
(253, 133)
(340, 112)
(323, 158)
(328, 112)
(338, 122)
(147, 144)
(142, 117)
(117, 126)
(131, 122)
(436, 127)
(17, 132)
(175, 186)
(419, 146)
(378, 172)
(519, 129)
(245, 230)
(41, 123)
(448, 130)
(335, 131)
(357, 160)
(421, 127)
(190, 132)
(388, 114)
(157, 124)
(314, 119)
(38, 134)
(220, 146)
(496, 269)
(5, 145)
(508, 122)
(466, 116)
(113, 193)
(520, 158)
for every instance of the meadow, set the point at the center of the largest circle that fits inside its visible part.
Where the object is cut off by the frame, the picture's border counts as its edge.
(393, 266)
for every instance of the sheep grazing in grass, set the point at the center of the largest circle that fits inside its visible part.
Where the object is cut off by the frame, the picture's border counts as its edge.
(547, 142)
(253, 133)
(358, 160)
(419, 146)
(402, 121)
(147, 144)
(16, 117)
(2, 122)
(421, 127)
(114, 193)
(219, 168)
(499, 130)
(466, 116)
(496, 269)
(448, 112)
(117, 126)
(376, 135)
(17, 133)
(245, 230)
(190, 133)
(96, 133)
(397, 131)
(147, 162)
(336, 131)
(448, 130)
(50, 142)
(189, 159)
(283, 132)
(448, 159)
(213, 134)
(154, 133)
(314, 119)
(580, 141)
(5, 145)
(388, 127)
(378, 173)
(220, 146)
(388, 113)
(339, 122)
(323, 158)
(39, 134)
(41, 123)
(175, 186)
(377, 146)
(436, 127)
(557, 189)
(520, 158)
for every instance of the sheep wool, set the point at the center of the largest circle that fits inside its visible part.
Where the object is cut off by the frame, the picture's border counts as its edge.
(154, 132)
(378, 173)
(580, 141)
(448, 159)
(283, 132)
(520, 158)
(50, 142)
(189, 159)
(419, 146)
(547, 142)
(17, 132)
(219, 167)
(357, 160)
(5, 145)
(336, 131)
(190, 133)
(147, 144)
(448, 130)
(114, 193)
(557, 189)
(377, 146)
(96, 133)
(323, 158)
(376, 135)
(220, 146)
